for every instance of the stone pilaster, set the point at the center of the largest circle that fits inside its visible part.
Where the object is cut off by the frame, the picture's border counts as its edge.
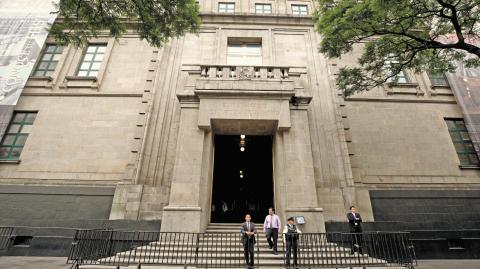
(184, 212)
(299, 188)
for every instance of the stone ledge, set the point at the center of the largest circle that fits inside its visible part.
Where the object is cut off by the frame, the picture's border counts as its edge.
(474, 167)
(304, 209)
(424, 193)
(56, 190)
(182, 208)
(39, 81)
(233, 84)
(80, 82)
(10, 161)
(381, 99)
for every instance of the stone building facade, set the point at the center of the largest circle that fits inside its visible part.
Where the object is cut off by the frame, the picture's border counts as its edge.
(123, 130)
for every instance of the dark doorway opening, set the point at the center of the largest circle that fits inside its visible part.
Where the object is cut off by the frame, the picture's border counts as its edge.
(242, 180)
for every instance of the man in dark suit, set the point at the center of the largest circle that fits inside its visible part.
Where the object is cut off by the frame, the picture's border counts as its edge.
(248, 239)
(355, 225)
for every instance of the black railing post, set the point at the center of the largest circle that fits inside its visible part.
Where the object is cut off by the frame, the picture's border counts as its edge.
(197, 247)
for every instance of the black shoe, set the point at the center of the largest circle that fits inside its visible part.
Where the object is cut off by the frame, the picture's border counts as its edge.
(270, 247)
(275, 252)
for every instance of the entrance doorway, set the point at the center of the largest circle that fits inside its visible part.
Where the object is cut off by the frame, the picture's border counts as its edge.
(242, 180)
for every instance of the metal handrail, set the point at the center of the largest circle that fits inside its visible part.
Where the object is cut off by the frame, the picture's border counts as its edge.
(6, 237)
(225, 250)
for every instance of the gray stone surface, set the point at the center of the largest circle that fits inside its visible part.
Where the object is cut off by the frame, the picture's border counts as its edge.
(432, 209)
(40, 203)
(19, 262)
(16, 262)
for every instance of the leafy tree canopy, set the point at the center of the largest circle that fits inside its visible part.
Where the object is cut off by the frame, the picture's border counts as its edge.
(398, 34)
(154, 20)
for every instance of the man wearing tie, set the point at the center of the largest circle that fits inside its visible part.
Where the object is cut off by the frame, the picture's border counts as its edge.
(355, 224)
(248, 239)
(270, 227)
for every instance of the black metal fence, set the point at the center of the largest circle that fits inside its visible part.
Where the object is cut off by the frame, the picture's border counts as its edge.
(346, 250)
(6, 237)
(226, 250)
(107, 247)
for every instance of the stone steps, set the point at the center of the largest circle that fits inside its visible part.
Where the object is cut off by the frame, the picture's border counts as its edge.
(261, 249)
(223, 250)
(222, 255)
(146, 266)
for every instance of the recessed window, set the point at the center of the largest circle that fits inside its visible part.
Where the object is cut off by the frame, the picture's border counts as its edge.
(92, 60)
(400, 78)
(16, 135)
(462, 142)
(263, 8)
(244, 52)
(226, 7)
(437, 78)
(299, 9)
(48, 61)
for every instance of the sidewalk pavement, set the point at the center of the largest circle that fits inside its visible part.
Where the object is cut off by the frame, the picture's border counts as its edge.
(28, 262)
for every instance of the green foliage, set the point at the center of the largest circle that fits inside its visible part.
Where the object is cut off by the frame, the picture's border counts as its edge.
(154, 20)
(398, 34)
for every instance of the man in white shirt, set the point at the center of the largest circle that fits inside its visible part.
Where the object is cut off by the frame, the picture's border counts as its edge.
(270, 227)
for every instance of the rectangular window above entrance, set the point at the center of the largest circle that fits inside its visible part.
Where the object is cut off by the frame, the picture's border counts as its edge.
(244, 52)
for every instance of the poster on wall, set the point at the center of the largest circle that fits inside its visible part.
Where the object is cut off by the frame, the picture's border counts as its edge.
(23, 30)
(465, 84)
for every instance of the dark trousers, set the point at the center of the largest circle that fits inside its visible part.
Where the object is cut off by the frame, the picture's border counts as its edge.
(356, 242)
(272, 237)
(292, 248)
(248, 251)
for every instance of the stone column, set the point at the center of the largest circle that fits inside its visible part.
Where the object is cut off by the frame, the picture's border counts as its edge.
(298, 187)
(364, 204)
(184, 211)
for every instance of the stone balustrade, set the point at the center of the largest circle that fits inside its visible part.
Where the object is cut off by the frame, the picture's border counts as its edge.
(245, 80)
(244, 72)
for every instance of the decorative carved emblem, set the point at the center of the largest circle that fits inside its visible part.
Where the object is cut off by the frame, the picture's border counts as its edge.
(245, 72)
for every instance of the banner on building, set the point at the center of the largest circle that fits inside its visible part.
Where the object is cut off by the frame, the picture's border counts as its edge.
(465, 84)
(23, 30)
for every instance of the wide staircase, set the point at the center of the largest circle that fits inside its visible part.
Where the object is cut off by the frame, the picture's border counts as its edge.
(265, 258)
(220, 247)
(331, 252)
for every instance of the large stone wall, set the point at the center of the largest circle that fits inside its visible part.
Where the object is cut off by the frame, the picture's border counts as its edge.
(75, 140)
(428, 209)
(33, 205)
(402, 143)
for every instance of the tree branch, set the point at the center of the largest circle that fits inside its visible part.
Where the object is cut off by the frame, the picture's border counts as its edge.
(454, 19)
